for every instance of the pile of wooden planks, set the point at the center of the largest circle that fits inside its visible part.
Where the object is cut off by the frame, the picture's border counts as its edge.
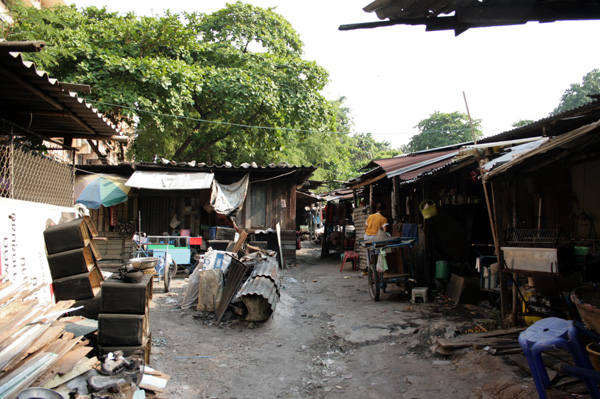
(35, 348)
(497, 342)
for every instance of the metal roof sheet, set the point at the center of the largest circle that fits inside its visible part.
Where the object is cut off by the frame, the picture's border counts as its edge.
(568, 141)
(271, 171)
(170, 180)
(32, 99)
(460, 15)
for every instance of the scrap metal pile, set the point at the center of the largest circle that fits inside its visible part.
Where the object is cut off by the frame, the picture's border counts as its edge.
(249, 286)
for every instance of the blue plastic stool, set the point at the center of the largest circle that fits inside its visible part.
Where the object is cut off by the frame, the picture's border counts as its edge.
(553, 333)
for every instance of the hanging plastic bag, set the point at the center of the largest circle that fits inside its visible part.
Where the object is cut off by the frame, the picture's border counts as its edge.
(382, 265)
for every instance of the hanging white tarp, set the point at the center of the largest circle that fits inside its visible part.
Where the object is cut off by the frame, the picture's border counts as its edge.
(227, 199)
(170, 180)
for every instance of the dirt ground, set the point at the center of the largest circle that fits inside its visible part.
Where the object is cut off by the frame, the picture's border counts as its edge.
(326, 339)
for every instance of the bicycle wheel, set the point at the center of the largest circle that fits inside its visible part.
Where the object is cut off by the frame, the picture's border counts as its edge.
(373, 279)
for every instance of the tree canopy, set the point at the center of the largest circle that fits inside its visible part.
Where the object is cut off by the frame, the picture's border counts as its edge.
(443, 129)
(522, 122)
(577, 93)
(229, 86)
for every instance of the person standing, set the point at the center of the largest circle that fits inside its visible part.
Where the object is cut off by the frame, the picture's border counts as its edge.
(375, 222)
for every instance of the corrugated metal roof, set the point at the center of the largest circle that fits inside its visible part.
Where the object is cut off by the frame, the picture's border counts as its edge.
(554, 125)
(569, 141)
(300, 173)
(460, 15)
(32, 99)
(406, 167)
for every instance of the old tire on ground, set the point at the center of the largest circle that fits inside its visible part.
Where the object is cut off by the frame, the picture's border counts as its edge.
(373, 279)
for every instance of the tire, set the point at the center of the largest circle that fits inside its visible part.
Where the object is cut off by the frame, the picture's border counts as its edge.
(373, 279)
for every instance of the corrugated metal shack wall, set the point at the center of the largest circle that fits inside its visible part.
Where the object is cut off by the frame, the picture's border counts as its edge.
(360, 218)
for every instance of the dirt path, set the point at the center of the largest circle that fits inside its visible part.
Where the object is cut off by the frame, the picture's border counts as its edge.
(326, 339)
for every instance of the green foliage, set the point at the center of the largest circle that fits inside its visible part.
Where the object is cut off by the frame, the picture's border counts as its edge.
(229, 86)
(577, 94)
(443, 129)
(196, 85)
(522, 122)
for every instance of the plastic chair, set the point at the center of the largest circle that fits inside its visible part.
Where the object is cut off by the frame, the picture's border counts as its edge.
(351, 256)
(552, 333)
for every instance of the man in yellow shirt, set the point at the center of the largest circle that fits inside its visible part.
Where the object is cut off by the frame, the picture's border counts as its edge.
(375, 222)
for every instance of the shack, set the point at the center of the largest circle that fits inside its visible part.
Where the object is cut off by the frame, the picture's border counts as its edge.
(535, 183)
(168, 198)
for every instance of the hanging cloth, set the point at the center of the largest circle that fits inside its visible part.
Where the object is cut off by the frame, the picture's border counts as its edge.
(227, 199)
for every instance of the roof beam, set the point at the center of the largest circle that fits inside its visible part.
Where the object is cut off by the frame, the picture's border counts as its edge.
(487, 16)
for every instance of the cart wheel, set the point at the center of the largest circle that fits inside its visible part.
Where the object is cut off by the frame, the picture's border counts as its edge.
(172, 268)
(373, 279)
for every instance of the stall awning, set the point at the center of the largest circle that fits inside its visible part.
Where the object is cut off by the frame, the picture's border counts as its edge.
(170, 180)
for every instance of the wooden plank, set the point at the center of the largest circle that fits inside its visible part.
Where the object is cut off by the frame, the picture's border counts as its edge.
(238, 245)
(70, 359)
(82, 367)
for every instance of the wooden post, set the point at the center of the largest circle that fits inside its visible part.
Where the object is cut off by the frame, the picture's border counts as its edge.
(395, 196)
(499, 243)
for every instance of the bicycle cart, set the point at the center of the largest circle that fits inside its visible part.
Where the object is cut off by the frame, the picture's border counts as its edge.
(379, 280)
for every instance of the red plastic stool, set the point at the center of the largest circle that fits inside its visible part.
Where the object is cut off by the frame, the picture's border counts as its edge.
(352, 256)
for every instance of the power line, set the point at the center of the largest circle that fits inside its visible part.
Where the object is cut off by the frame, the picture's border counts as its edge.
(268, 127)
(216, 122)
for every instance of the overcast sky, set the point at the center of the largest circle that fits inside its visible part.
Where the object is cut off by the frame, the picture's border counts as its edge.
(393, 77)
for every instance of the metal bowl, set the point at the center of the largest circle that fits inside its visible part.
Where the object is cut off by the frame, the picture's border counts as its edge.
(143, 263)
(39, 393)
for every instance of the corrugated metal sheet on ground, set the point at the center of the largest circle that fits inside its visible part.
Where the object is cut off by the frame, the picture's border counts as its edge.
(261, 286)
(266, 269)
(235, 275)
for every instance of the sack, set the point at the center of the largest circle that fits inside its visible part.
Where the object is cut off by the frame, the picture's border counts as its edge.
(382, 265)
(381, 235)
(193, 289)
(210, 289)
(217, 260)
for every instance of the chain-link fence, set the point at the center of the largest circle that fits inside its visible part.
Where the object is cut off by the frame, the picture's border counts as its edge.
(34, 169)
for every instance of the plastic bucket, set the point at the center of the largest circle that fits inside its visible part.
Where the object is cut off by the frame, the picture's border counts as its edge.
(442, 270)
(428, 209)
(184, 232)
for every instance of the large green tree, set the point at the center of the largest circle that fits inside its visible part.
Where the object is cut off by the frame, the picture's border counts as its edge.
(442, 129)
(578, 93)
(229, 86)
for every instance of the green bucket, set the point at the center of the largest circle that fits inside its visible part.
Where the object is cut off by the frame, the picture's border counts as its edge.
(442, 270)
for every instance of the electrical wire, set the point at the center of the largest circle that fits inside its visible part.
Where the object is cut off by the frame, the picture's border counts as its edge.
(267, 127)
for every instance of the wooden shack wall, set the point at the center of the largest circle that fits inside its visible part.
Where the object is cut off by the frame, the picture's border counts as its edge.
(280, 205)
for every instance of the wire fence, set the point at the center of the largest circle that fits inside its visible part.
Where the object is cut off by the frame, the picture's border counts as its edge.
(34, 169)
